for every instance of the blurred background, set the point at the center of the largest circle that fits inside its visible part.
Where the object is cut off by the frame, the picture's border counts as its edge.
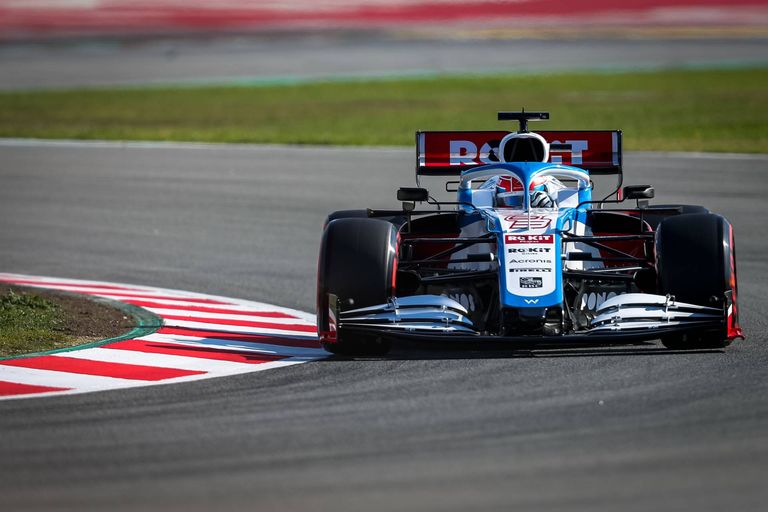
(55, 18)
(271, 71)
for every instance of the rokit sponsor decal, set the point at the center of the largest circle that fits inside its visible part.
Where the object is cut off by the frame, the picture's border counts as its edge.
(528, 250)
(467, 152)
(528, 239)
(447, 153)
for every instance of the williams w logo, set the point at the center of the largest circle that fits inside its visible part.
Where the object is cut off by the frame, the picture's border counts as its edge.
(531, 301)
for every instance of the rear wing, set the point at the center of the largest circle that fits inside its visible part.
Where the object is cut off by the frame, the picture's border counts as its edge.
(443, 153)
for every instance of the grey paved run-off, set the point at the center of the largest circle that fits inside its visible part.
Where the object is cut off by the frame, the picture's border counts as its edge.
(67, 64)
(424, 430)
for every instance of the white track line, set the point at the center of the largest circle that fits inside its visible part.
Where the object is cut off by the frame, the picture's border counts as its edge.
(139, 144)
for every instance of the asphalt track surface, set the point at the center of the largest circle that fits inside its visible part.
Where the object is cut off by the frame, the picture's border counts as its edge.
(302, 56)
(633, 428)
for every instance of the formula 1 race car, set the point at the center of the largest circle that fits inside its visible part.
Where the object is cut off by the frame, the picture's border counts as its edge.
(526, 255)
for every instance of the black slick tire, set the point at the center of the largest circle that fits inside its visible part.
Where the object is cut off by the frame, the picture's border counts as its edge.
(357, 265)
(695, 263)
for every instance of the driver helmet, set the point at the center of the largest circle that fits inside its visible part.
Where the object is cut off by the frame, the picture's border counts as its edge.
(509, 192)
(543, 192)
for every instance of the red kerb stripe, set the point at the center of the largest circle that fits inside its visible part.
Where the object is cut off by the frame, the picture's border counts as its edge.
(204, 309)
(236, 336)
(87, 367)
(245, 323)
(14, 388)
(202, 352)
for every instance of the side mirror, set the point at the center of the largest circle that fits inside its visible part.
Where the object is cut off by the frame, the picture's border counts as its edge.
(412, 194)
(638, 192)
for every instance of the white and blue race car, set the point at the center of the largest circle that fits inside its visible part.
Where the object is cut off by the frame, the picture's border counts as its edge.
(526, 255)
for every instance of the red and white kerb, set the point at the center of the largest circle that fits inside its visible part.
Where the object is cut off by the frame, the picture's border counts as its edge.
(202, 336)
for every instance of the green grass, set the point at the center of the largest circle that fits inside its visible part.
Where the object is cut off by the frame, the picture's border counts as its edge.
(29, 323)
(693, 110)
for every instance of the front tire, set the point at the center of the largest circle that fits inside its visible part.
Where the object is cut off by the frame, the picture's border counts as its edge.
(357, 265)
(696, 263)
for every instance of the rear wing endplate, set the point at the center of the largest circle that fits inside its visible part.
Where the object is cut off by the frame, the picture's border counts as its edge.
(443, 153)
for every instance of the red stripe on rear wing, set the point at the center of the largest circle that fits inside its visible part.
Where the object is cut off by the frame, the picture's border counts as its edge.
(449, 153)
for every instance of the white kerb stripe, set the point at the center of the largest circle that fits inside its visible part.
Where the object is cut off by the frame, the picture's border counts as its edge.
(51, 378)
(108, 355)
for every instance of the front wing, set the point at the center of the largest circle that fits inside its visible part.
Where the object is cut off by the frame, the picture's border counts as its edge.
(624, 319)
